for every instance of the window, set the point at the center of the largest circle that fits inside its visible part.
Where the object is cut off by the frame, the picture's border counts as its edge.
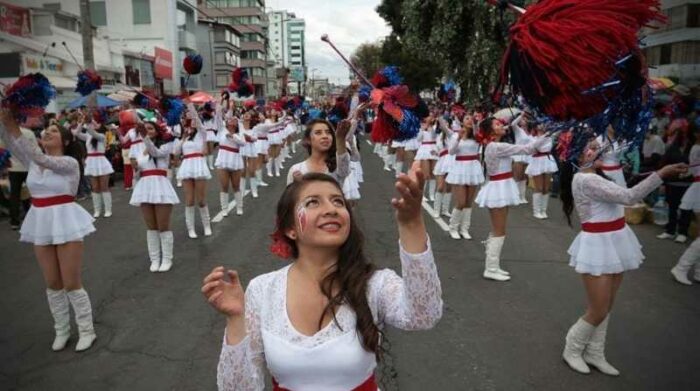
(222, 80)
(141, 11)
(693, 15)
(98, 13)
(665, 54)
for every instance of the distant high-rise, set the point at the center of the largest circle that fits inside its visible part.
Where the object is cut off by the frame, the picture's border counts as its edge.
(287, 43)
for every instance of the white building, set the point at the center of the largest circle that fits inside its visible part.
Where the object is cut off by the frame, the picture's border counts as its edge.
(287, 46)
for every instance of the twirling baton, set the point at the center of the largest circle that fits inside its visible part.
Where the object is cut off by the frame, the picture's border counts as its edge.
(325, 38)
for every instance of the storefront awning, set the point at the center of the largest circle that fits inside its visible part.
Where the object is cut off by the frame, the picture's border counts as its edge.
(62, 83)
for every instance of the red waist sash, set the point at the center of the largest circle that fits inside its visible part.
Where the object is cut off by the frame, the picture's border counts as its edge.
(696, 179)
(429, 142)
(442, 153)
(604, 226)
(146, 173)
(136, 142)
(193, 155)
(369, 385)
(96, 154)
(230, 149)
(541, 154)
(500, 177)
(611, 168)
(466, 158)
(51, 201)
(262, 138)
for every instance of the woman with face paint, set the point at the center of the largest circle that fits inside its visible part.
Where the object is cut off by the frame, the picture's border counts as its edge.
(500, 191)
(327, 151)
(605, 248)
(229, 164)
(55, 223)
(318, 323)
(540, 169)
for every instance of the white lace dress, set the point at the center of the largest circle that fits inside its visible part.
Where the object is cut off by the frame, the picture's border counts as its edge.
(248, 149)
(521, 138)
(213, 125)
(445, 160)
(427, 139)
(332, 359)
(136, 146)
(192, 148)
(501, 190)
(612, 167)
(342, 169)
(466, 169)
(691, 198)
(229, 156)
(606, 245)
(154, 186)
(412, 144)
(542, 162)
(50, 177)
(96, 163)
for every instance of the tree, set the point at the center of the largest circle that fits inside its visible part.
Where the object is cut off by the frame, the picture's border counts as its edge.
(418, 72)
(367, 58)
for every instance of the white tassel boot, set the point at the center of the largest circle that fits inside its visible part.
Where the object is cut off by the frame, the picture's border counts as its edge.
(446, 204)
(80, 301)
(536, 205)
(278, 165)
(206, 220)
(166, 241)
(153, 243)
(96, 204)
(210, 161)
(223, 199)
(466, 223)
(455, 221)
(576, 340)
(239, 202)
(107, 200)
(432, 185)
(492, 269)
(544, 204)
(254, 187)
(259, 177)
(437, 205)
(522, 189)
(690, 257)
(594, 354)
(189, 222)
(268, 166)
(399, 168)
(60, 310)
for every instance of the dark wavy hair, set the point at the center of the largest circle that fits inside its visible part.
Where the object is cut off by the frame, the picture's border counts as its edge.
(70, 144)
(349, 276)
(330, 155)
(102, 130)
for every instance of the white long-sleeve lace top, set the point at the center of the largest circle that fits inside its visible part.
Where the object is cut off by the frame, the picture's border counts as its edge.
(87, 138)
(598, 199)
(410, 302)
(498, 156)
(613, 151)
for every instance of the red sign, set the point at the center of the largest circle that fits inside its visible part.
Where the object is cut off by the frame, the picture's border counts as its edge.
(15, 20)
(163, 66)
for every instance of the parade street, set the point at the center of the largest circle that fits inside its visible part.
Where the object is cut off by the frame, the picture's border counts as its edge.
(156, 331)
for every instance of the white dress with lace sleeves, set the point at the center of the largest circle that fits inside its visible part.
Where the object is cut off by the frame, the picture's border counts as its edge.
(691, 198)
(96, 163)
(606, 245)
(54, 218)
(154, 186)
(333, 359)
(229, 156)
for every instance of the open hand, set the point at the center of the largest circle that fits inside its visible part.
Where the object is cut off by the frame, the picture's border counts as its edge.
(673, 170)
(226, 297)
(410, 187)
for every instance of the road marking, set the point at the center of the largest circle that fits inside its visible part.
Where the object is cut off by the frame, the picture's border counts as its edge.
(438, 220)
(369, 142)
(231, 205)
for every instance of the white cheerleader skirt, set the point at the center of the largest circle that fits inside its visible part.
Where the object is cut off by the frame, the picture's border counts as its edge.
(445, 161)
(54, 220)
(398, 144)
(498, 193)
(275, 138)
(615, 173)
(427, 152)
(229, 158)
(351, 188)
(193, 166)
(411, 145)
(154, 188)
(525, 159)
(356, 167)
(691, 198)
(211, 136)
(262, 145)
(97, 165)
(610, 252)
(541, 164)
(248, 150)
(466, 171)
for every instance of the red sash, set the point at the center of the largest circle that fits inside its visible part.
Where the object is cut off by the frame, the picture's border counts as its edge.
(193, 155)
(262, 138)
(696, 179)
(369, 385)
(604, 226)
(541, 154)
(500, 177)
(136, 142)
(611, 168)
(429, 142)
(443, 153)
(51, 201)
(466, 158)
(146, 173)
(96, 154)
(230, 149)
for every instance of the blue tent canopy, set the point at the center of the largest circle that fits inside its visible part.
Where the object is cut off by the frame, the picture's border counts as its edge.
(102, 101)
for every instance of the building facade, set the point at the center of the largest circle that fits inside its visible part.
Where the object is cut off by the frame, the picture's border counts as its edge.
(249, 18)
(219, 45)
(287, 45)
(673, 50)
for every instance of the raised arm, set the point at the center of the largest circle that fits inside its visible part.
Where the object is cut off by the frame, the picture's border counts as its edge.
(156, 152)
(518, 131)
(507, 149)
(94, 134)
(601, 189)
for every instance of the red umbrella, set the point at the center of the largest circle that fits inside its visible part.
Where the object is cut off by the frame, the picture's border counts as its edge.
(201, 97)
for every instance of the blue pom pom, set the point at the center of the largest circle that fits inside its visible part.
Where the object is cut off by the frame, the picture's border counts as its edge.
(88, 81)
(409, 126)
(173, 108)
(391, 73)
(28, 96)
(364, 93)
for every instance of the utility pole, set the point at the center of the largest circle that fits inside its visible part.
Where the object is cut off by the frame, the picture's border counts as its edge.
(86, 32)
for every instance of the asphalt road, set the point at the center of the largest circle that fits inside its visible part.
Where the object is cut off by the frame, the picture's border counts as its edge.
(155, 331)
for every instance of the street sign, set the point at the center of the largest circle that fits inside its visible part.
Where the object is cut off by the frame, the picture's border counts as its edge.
(297, 74)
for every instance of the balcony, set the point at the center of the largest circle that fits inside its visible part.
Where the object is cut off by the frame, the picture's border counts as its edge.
(235, 11)
(246, 63)
(253, 45)
(186, 40)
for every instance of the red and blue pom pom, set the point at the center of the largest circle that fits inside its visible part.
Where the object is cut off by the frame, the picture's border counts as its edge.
(88, 81)
(192, 64)
(387, 77)
(172, 109)
(241, 84)
(364, 93)
(28, 96)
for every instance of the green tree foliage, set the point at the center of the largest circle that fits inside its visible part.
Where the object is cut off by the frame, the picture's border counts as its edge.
(418, 72)
(367, 58)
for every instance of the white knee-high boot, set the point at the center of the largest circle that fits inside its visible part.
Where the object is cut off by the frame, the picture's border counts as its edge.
(166, 241)
(96, 204)
(492, 267)
(466, 223)
(254, 186)
(206, 220)
(399, 168)
(153, 243)
(239, 202)
(522, 189)
(432, 185)
(268, 166)
(576, 340)
(455, 220)
(278, 165)
(446, 204)
(544, 204)
(536, 205)
(210, 161)
(259, 177)
(107, 199)
(60, 310)
(594, 354)
(80, 301)
(189, 222)
(437, 205)
(223, 199)
(690, 257)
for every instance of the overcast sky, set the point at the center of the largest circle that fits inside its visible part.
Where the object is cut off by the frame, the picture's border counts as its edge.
(348, 23)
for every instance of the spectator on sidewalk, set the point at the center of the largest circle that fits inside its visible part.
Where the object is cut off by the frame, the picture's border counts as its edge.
(17, 174)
